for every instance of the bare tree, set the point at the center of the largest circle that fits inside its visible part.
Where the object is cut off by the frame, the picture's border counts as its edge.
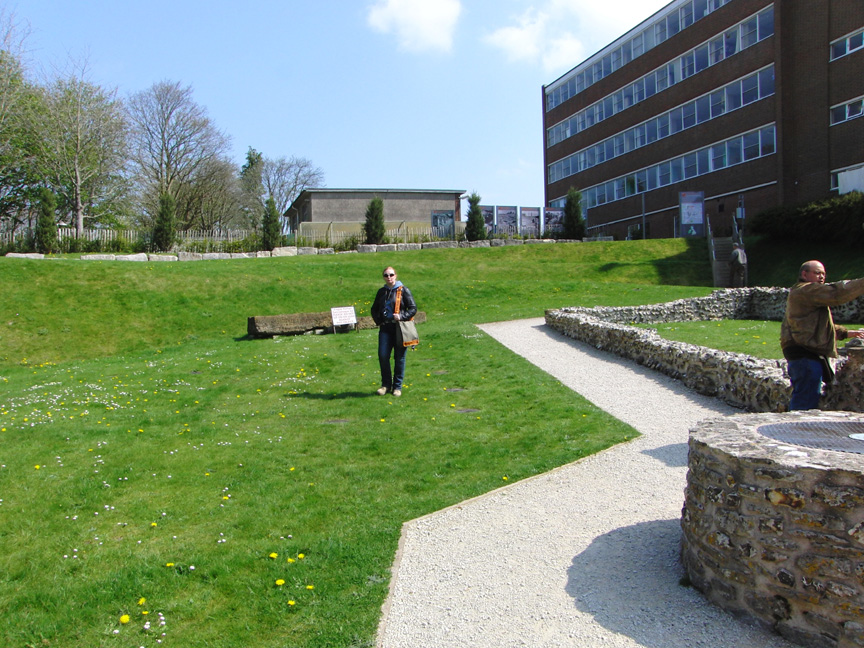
(172, 139)
(212, 199)
(284, 179)
(79, 136)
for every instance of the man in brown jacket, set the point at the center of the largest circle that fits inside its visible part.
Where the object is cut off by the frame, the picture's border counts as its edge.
(808, 335)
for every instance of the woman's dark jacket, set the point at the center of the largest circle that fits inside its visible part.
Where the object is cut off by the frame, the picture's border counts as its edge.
(385, 301)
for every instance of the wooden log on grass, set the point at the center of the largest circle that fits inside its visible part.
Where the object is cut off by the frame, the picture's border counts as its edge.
(304, 323)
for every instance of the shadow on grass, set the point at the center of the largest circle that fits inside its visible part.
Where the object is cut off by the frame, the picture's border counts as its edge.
(691, 267)
(340, 396)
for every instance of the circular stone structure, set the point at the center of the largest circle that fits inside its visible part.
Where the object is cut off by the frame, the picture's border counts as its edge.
(773, 522)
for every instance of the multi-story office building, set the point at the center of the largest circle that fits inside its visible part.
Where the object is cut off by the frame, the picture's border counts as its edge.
(751, 102)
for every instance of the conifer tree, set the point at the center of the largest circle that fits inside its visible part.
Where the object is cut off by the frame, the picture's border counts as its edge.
(46, 224)
(574, 223)
(166, 224)
(373, 228)
(475, 229)
(271, 230)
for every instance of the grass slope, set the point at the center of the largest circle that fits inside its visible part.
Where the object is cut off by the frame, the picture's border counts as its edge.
(251, 492)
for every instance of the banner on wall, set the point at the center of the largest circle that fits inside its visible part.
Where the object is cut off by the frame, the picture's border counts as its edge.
(530, 221)
(553, 219)
(443, 221)
(488, 212)
(691, 205)
(507, 220)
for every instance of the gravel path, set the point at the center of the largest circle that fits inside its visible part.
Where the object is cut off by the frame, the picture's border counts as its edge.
(585, 555)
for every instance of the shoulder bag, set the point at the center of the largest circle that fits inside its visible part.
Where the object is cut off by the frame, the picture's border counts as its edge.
(407, 329)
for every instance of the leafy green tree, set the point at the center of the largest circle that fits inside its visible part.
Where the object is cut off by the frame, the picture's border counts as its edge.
(373, 228)
(80, 140)
(17, 96)
(46, 223)
(271, 228)
(574, 223)
(475, 229)
(166, 223)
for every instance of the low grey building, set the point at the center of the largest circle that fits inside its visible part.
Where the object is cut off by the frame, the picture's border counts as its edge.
(337, 207)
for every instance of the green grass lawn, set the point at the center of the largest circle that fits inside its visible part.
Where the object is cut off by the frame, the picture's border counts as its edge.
(753, 337)
(157, 463)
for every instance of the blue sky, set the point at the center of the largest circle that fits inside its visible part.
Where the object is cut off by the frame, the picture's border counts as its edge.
(410, 94)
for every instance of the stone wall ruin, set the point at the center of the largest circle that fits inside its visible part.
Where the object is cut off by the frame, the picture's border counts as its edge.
(741, 380)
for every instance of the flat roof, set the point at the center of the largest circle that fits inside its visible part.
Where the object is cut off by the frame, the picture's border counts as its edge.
(616, 43)
(327, 190)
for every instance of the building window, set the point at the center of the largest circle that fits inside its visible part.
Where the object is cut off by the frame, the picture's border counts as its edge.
(687, 65)
(688, 114)
(691, 164)
(755, 86)
(766, 82)
(733, 151)
(845, 112)
(750, 89)
(731, 42)
(751, 146)
(749, 33)
(718, 156)
(847, 45)
(739, 149)
(767, 137)
(718, 103)
(653, 35)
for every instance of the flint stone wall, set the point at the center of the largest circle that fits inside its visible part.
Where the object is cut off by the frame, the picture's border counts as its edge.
(740, 380)
(774, 531)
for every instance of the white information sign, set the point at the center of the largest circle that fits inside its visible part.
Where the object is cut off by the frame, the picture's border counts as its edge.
(343, 315)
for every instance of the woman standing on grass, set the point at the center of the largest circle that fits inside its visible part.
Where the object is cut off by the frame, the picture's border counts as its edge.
(393, 303)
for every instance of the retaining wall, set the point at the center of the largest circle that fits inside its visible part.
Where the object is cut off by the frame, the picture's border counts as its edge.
(298, 251)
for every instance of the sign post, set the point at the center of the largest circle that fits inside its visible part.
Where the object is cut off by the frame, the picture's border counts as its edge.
(692, 213)
(344, 318)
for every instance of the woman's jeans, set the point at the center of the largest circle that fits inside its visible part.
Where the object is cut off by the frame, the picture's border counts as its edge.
(388, 340)
(806, 377)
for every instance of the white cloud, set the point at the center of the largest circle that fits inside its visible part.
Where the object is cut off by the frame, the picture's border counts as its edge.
(559, 34)
(419, 25)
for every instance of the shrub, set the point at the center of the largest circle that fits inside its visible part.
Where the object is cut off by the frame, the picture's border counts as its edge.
(373, 228)
(271, 234)
(838, 219)
(46, 224)
(574, 223)
(475, 228)
(166, 224)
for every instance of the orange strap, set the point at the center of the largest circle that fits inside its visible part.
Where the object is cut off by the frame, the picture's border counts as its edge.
(398, 300)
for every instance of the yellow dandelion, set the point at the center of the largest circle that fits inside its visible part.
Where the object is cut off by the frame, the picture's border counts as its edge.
(124, 619)
(37, 466)
(169, 564)
(301, 556)
(153, 524)
(274, 555)
(280, 582)
(292, 603)
(310, 587)
(142, 601)
(290, 560)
